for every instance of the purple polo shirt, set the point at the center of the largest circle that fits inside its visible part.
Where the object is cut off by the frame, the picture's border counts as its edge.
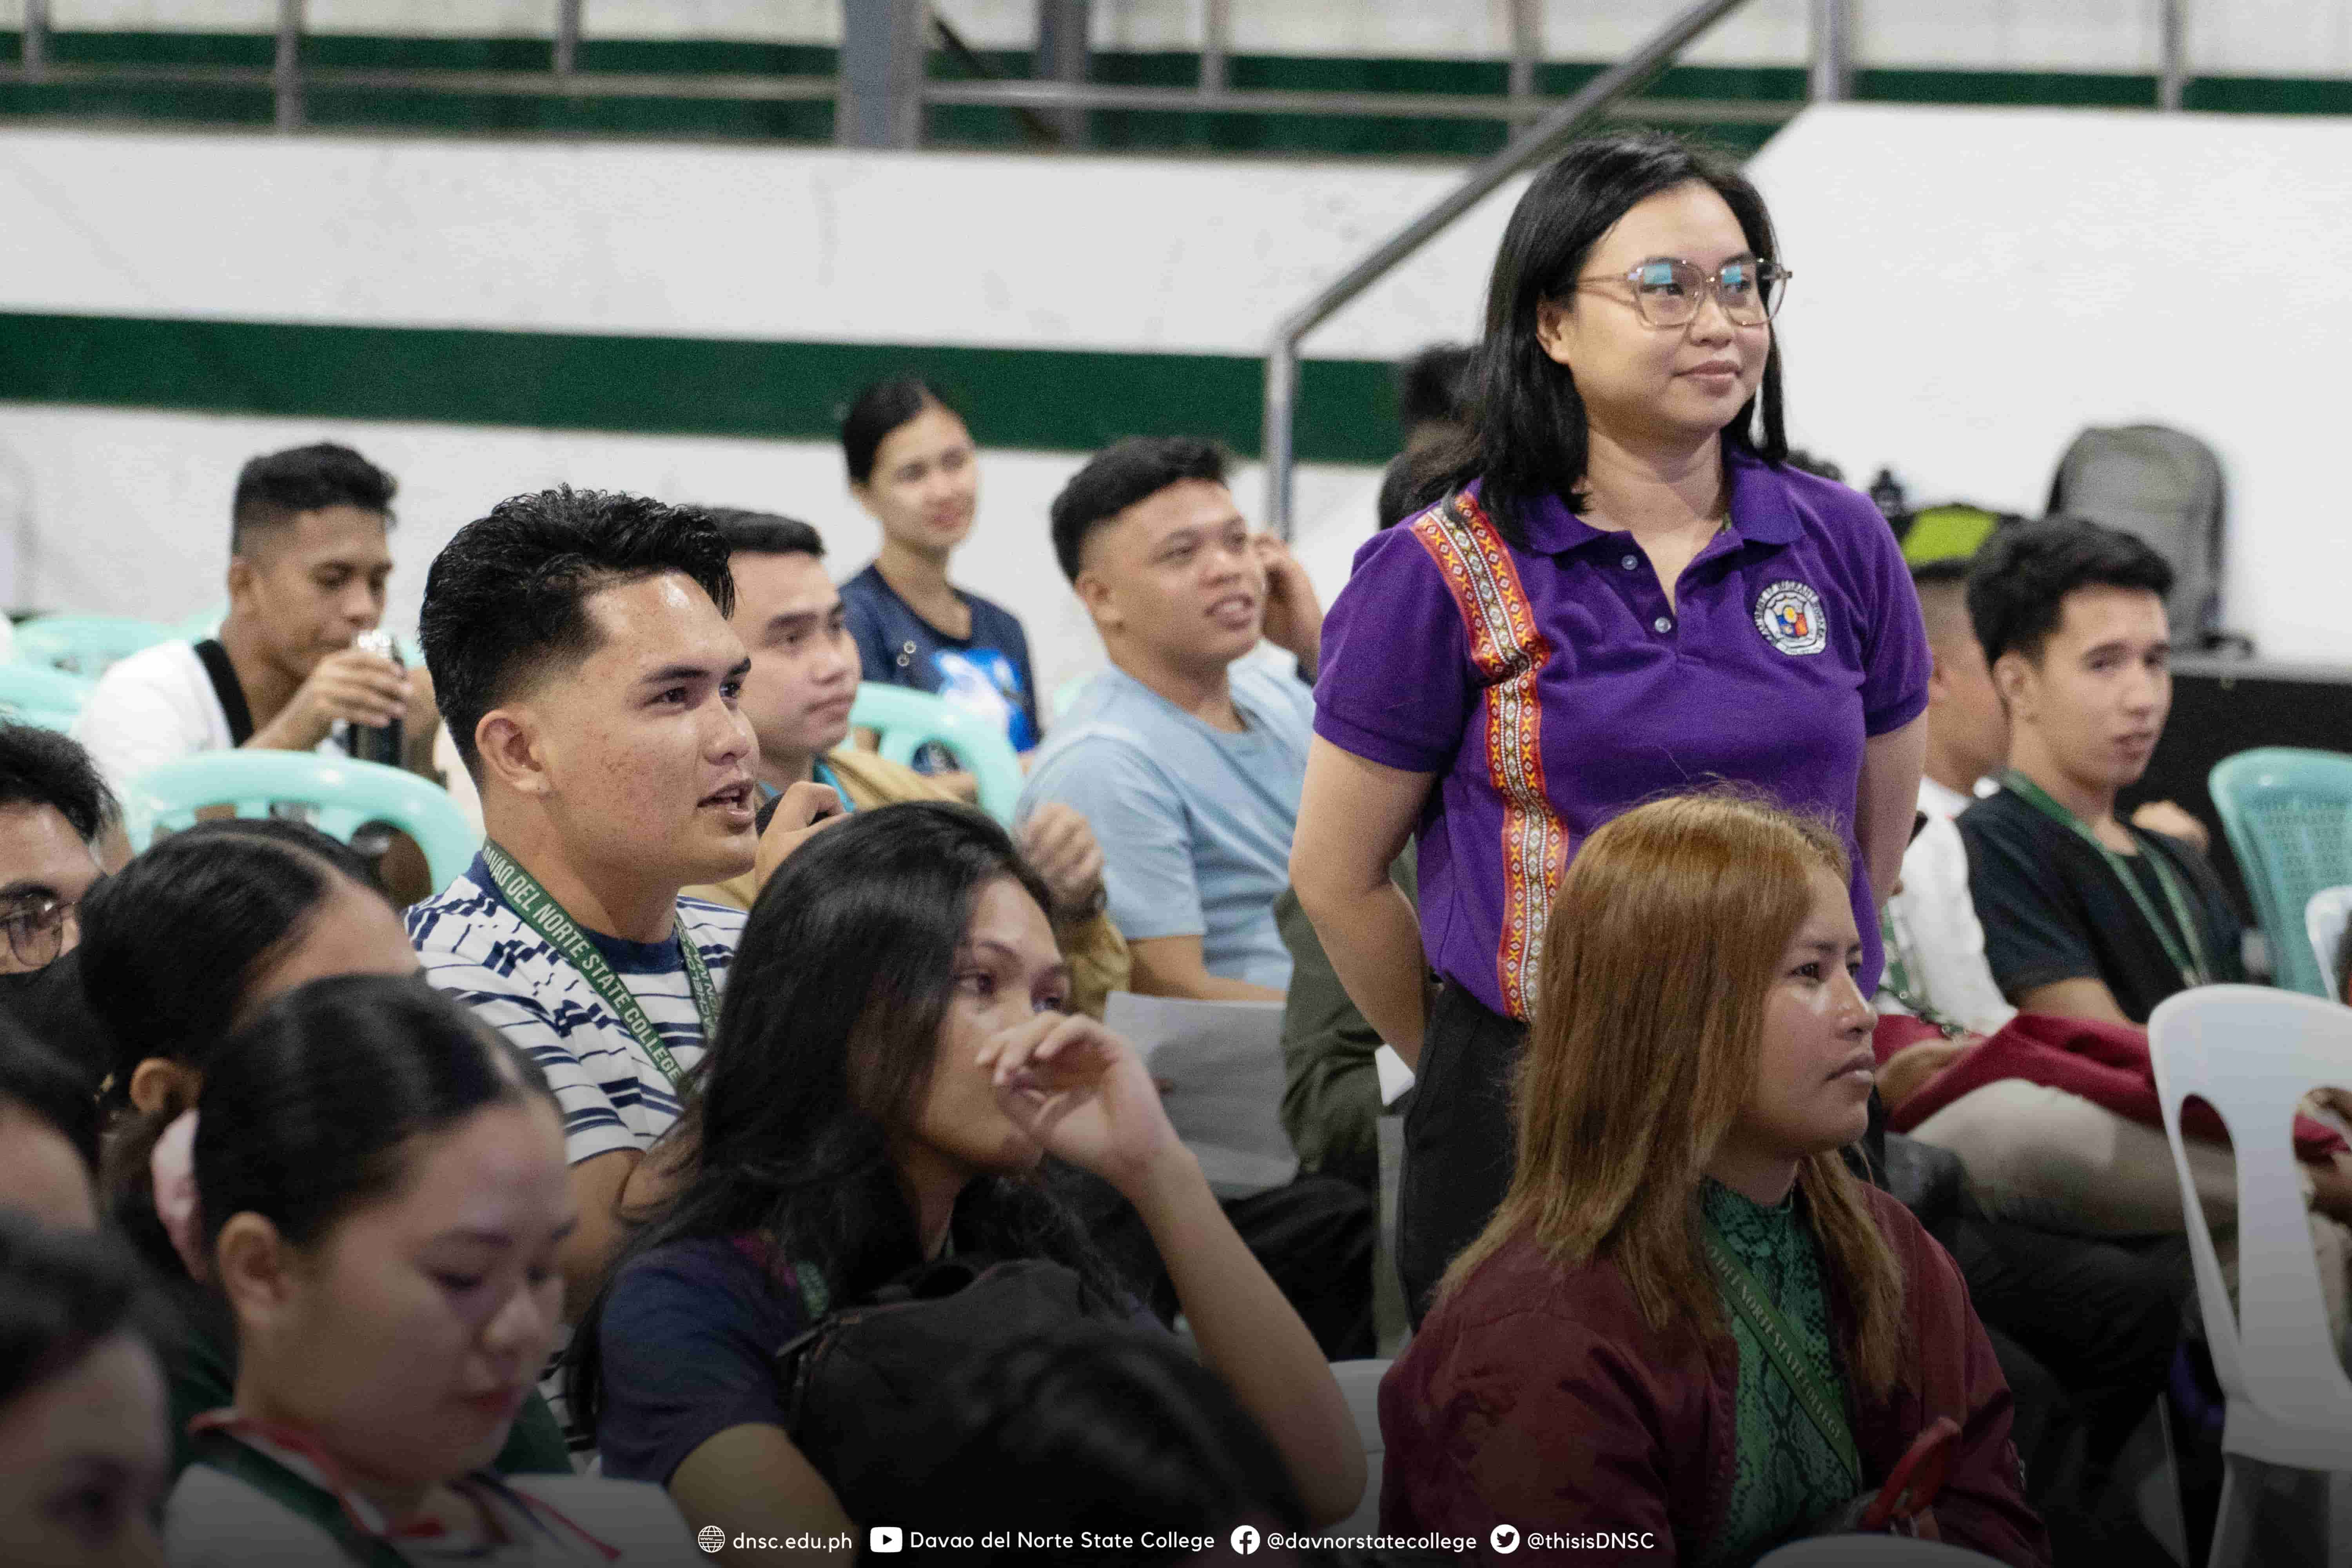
(1550, 688)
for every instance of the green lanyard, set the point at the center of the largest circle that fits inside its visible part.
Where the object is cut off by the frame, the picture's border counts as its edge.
(1772, 1332)
(539, 912)
(2189, 962)
(1895, 980)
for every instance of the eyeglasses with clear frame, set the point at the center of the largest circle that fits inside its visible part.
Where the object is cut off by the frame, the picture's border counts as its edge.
(35, 929)
(1667, 292)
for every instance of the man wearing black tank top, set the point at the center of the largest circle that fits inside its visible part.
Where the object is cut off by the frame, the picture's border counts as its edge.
(2085, 914)
(308, 563)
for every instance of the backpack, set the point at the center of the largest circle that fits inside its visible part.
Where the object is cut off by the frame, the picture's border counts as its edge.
(862, 1389)
(2164, 487)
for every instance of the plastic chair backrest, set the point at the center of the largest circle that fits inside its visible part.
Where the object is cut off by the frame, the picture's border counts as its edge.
(1360, 1385)
(2324, 920)
(1871, 1552)
(1066, 696)
(35, 694)
(906, 719)
(84, 644)
(343, 796)
(2288, 814)
(204, 623)
(2252, 1053)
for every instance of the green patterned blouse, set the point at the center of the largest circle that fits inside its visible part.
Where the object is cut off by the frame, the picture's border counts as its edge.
(1788, 1473)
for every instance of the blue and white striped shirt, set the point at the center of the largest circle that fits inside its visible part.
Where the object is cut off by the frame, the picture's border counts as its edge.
(612, 1095)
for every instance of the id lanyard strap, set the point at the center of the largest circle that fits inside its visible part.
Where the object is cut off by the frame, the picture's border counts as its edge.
(2189, 962)
(1771, 1331)
(539, 912)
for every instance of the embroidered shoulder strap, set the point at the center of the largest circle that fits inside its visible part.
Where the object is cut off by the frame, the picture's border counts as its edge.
(1508, 653)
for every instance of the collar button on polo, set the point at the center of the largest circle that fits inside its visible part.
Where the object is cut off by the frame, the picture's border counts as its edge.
(1663, 625)
(1629, 561)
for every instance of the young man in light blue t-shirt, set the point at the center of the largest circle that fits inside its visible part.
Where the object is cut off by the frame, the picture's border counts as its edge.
(1185, 756)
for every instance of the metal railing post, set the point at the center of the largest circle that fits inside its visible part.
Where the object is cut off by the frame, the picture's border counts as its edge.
(1527, 45)
(1061, 57)
(1216, 31)
(288, 73)
(2172, 75)
(567, 36)
(880, 102)
(1531, 146)
(33, 42)
(1831, 77)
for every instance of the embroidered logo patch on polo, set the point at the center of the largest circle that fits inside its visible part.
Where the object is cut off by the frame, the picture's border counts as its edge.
(1788, 613)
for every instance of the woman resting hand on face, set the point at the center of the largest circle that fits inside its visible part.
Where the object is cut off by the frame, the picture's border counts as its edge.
(381, 1193)
(893, 1067)
(1602, 1358)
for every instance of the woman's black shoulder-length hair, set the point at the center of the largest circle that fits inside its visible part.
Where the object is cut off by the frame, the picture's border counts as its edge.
(840, 983)
(1528, 437)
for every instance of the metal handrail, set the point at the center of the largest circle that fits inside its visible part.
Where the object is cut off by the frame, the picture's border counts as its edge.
(1015, 94)
(1530, 147)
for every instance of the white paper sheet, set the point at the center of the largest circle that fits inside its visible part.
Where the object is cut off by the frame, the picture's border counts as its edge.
(1222, 1063)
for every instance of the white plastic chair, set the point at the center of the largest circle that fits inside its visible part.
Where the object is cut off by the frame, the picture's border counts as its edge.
(1360, 1384)
(1222, 1065)
(2252, 1053)
(1870, 1551)
(2324, 920)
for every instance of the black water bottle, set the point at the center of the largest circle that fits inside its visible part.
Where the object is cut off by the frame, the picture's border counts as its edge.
(369, 744)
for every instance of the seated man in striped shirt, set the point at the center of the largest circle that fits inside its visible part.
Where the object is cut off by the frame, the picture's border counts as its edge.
(580, 644)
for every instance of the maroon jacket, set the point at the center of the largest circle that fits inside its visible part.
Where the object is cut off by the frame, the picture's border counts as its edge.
(1543, 1400)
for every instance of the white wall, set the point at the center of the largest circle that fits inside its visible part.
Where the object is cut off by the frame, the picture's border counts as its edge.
(122, 510)
(2276, 37)
(1973, 286)
(790, 243)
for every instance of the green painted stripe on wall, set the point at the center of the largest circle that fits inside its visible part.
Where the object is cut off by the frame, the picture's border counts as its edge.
(1041, 399)
(1387, 135)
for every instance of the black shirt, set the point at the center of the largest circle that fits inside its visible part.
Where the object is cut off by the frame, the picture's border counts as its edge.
(2053, 909)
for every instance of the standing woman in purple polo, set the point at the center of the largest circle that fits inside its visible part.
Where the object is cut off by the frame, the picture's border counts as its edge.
(1622, 590)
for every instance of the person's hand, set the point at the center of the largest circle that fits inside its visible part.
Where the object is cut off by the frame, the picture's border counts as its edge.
(1294, 616)
(424, 710)
(806, 810)
(422, 724)
(1909, 1069)
(347, 687)
(1082, 1094)
(1060, 844)
(2331, 1187)
(2164, 817)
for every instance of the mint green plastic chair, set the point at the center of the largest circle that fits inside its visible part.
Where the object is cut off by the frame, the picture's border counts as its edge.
(1066, 696)
(2288, 813)
(84, 644)
(204, 623)
(34, 694)
(342, 796)
(906, 719)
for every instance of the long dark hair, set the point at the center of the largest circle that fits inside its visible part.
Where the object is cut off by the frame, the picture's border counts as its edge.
(306, 1110)
(68, 1292)
(827, 1036)
(169, 947)
(1529, 437)
(1106, 1427)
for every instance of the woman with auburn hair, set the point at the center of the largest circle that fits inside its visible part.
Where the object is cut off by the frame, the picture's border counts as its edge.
(1688, 1322)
